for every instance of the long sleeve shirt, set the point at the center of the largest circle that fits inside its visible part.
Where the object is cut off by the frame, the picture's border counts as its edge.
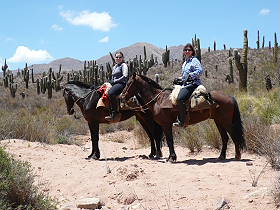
(192, 69)
(120, 73)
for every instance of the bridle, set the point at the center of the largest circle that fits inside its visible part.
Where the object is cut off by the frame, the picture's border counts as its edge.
(141, 107)
(75, 101)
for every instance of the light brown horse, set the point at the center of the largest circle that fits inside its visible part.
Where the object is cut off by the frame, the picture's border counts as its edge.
(226, 115)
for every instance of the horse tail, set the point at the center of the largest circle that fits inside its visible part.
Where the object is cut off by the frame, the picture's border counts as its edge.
(237, 128)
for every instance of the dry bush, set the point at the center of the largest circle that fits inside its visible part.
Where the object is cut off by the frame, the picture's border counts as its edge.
(36, 118)
(189, 137)
(276, 192)
(141, 136)
(211, 134)
(128, 125)
(261, 141)
(17, 189)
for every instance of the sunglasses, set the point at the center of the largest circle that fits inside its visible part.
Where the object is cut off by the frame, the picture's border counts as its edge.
(118, 57)
(187, 50)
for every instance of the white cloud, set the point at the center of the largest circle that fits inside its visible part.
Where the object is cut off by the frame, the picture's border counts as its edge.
(26, 55)
(97, 21)
(104, 39)
(56, 27)
(264, 11)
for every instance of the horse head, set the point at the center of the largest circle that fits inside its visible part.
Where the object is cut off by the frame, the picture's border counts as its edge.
(69, 100)
(130, 89)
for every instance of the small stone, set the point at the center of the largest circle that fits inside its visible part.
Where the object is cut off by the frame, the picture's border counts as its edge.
(249, 163)
(88, 203)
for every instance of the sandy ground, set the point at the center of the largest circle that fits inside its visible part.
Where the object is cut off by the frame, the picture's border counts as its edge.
(195, 182)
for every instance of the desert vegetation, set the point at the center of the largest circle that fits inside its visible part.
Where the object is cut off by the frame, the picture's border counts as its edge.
(32, 108)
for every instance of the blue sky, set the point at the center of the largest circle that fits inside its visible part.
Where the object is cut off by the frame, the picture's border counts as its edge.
(37, 31)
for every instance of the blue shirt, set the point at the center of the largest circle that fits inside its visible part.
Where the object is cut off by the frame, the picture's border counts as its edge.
(192, 68)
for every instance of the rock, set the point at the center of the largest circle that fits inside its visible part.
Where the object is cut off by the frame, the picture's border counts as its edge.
(88, 203)
(137, 206)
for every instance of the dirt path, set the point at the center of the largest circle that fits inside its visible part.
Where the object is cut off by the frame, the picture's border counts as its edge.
(195, 182)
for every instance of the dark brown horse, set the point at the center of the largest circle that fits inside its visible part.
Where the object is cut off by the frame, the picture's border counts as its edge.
(226, 115)
(87, 98)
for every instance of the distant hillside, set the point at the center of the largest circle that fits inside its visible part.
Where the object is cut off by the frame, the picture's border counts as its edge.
(130, 52)
(68, 64)
(136, 49)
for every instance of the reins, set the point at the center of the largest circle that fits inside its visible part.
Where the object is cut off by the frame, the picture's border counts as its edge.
(140, 108)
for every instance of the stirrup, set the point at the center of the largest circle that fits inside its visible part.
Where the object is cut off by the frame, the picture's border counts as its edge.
(178, 124)
(113, 117)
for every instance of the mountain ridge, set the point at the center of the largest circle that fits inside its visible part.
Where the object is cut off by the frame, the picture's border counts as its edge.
(130, 52)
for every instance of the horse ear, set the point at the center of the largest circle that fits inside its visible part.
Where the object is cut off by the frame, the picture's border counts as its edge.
(133, 75)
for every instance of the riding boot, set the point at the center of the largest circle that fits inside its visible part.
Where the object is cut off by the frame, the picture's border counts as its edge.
(114, 111)
(182, 114)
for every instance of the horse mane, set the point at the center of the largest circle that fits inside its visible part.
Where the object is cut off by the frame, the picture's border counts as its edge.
(150, 81)
(79, 84)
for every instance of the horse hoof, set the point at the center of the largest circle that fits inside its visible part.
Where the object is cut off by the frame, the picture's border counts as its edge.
(221, 158)
(171, 159)
(95, 157)
(238, 157)
(151, 156)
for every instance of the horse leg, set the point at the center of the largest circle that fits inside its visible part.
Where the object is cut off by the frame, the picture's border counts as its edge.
(225, 139)
(158, 139)
(169, 138)
(149, 130)
(94, 133)
(236, 145)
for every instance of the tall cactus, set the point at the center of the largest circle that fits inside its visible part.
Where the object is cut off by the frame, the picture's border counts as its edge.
(25, 73)
(215, 45)
(165, 57)
(13, 89)
(258, 41)
(57, 79)
(275, 49)
(263, 42)
(4, 68)
(230, 76)
(242, 64)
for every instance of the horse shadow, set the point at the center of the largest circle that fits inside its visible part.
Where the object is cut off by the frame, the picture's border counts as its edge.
(209, 160)
(122, 159)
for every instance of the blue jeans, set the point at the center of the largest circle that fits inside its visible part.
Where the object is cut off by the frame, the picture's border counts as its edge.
(186, 92)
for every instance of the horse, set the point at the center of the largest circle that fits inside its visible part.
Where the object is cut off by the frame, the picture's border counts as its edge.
(226, 114)
(86, 97)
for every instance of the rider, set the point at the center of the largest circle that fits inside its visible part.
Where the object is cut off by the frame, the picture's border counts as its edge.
(191, 72)
(118, 82)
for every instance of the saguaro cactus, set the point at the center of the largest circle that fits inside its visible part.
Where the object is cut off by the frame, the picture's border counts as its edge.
(13, 89)
(275, 49)
(4, 68)
(242, 64)
(25, 73)
(258, 41)
(165, 57)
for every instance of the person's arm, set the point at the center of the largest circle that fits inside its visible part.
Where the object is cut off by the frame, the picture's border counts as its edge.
(124, 77)
(198, 70)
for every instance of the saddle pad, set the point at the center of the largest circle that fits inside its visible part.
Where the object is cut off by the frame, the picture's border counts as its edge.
(104, 100)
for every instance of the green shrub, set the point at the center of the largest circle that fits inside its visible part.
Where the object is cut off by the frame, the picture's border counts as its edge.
(265, 106)
(17, 189)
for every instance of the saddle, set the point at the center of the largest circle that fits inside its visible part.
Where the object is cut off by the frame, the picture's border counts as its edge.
(104, 99)
(199, 100)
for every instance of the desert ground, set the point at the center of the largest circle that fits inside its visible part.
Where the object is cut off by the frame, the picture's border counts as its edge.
(124, 178)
